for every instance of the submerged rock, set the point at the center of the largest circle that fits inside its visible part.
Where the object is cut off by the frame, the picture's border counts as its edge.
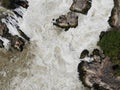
(81, 6)
(67, 21)
(114, 19)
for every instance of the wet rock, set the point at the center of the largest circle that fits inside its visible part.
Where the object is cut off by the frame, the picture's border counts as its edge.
(114, 20)
(102, 34)
(12, 4)
(1, 44)
(3, 29)
(84, 54)
(96, 55)
(23, 35)
(82, 73)
(17, 43)
(8, 36)
(98, 87)
(99, 75)
(81, 6)
(96, 52)
(67, 21)
(23, 3)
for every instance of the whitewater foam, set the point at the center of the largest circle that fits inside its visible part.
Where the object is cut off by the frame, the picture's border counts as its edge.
(57, 52)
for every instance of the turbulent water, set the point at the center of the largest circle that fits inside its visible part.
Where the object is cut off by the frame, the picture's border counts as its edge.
(53, 54)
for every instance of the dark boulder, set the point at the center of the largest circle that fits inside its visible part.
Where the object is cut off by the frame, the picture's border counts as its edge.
(98, 87)
(67, 21)
(23, 3)
(96, 52)
(23, 35)
(3, 29)
(12, 4)
(84, 54)
(1, 44)
(81, 6)
(114, 20)
(102, 34)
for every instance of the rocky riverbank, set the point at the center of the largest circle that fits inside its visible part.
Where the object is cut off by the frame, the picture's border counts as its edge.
(103, 70)
(98, 72)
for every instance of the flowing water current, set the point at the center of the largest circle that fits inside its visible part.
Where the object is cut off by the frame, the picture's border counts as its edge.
(50, 61)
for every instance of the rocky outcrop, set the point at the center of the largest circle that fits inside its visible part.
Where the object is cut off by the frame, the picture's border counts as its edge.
(17, 41)
(99, 73)
(67, 21)
(81, 6)
(114, 19)
(17, 6)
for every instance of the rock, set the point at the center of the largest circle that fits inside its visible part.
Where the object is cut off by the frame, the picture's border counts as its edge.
(82, 73)
(23, 3)
(114, 20)
(81, 6)
(17, 43)
(99, 76)
(102, 34)
(23, 35)
(1, 44)
(97, 55)
(67, 21)
(8, 36)
(84, 54)
(3, 29)
(116, 67)
(12, 4)
(98, 87)
(96, 52)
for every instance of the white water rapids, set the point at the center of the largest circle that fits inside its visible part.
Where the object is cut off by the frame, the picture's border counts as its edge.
(56, 52)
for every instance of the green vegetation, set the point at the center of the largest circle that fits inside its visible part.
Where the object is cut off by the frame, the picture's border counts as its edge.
(110, 44)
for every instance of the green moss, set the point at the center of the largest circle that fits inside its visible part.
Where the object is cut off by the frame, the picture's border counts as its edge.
(110, 44)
